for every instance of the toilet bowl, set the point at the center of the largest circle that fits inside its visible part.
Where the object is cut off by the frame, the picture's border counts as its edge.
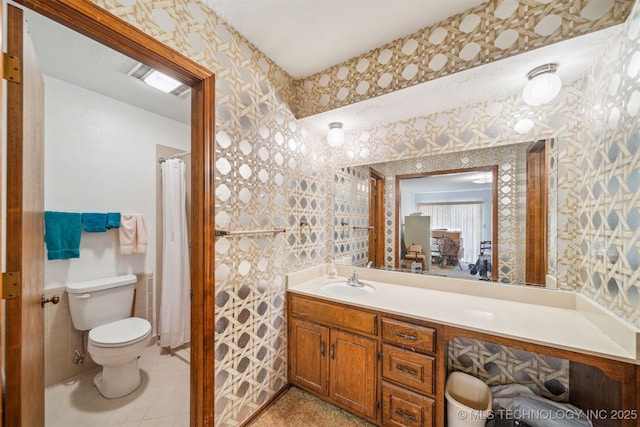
(116, 340)
(117, 346)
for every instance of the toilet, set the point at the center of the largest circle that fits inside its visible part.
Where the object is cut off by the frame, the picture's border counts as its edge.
(116, 340)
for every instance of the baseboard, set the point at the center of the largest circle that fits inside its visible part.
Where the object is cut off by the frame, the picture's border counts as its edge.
(264, 407)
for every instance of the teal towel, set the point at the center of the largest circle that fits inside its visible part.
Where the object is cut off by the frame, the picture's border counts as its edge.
(113, 220)
(94, 222)
(62, 231)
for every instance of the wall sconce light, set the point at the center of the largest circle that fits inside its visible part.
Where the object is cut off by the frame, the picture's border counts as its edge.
(335, 137)
(543, 85)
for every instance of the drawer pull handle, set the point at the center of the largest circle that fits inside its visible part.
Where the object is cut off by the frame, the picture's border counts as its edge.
(332, 351)
(407, 337)
(406, 370)
(407, 416)
(322, 349)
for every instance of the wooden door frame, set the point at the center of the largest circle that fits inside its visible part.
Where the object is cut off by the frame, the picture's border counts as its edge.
(107, 29)
(376, 218)
(537, 231)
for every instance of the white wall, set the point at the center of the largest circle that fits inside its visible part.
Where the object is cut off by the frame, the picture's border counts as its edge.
(100, 156)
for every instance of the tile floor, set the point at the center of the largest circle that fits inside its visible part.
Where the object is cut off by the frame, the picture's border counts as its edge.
(162, 400)
(300, 409)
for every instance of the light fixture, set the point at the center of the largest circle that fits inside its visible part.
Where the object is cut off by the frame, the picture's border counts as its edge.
(158, 80)
(335, 137)
(543, 85)
(161, 81)
(483, 179)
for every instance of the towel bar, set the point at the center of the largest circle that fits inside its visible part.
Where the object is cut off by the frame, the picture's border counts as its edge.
(245, 232)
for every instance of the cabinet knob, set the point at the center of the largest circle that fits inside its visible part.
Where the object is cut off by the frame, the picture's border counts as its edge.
(322, 349)
(332, 351)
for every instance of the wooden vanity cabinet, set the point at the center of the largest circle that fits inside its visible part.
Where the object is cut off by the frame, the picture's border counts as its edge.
(409, 375)
(308, 362)
(352, 372)
(328, 359)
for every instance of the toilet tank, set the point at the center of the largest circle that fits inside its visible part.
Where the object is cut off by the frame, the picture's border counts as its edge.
(97, 302)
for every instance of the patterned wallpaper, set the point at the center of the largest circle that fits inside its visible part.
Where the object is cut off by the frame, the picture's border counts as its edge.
(599, 220)
(492, 31)
(351, 209)
(494, 364)
(269, 172)
(272, 172)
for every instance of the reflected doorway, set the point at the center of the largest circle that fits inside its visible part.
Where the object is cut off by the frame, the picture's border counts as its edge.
(376, 218)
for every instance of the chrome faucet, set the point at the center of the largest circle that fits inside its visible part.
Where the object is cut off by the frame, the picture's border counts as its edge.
(353, 280)
(369, 264)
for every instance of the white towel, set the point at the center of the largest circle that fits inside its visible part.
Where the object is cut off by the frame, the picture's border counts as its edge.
(133, 234)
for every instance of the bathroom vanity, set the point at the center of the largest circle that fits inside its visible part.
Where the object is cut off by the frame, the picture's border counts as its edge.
(381, 353)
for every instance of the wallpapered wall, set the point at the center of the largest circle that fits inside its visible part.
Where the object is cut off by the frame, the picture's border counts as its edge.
(272, 172)
(599, 218)
(493, 30)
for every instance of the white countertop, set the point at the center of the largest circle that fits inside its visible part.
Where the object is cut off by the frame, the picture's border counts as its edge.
(547, 317)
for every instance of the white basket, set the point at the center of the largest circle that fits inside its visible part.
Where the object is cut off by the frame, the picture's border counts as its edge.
(468, 401)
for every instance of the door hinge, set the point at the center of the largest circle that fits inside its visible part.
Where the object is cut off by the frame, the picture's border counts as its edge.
(11, 285)
(12, 68)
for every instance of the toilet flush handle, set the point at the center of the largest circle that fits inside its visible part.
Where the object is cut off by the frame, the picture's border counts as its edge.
(83, 296)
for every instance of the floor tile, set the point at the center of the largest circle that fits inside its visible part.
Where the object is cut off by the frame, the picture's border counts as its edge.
(161, 400)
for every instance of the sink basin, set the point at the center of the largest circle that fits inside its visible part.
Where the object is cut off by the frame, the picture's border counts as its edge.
(341, 289)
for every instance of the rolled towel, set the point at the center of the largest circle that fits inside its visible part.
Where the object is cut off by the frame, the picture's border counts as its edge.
(62, 231)
(94, 222)
(113, 220)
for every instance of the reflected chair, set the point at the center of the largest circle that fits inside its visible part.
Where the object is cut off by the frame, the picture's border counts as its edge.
(449, 252)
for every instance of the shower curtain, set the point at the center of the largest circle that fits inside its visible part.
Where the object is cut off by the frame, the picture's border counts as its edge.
(175, 302)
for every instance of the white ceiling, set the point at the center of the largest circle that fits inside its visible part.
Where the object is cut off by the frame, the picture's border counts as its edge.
(69, 56)
(446, 183)
(276, 25)
(307, 36)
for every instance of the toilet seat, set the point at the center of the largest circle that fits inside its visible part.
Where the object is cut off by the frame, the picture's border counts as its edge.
(120, 333)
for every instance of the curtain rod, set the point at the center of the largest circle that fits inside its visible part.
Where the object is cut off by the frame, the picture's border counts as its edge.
(175, 156)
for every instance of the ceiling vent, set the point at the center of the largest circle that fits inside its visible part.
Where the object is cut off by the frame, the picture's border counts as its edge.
(158, 80)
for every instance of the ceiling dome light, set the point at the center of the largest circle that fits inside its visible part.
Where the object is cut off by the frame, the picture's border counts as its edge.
(543, 85)
(335, 137)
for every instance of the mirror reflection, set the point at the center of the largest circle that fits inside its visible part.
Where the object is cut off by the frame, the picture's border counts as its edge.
(491, 235)
(448, 218)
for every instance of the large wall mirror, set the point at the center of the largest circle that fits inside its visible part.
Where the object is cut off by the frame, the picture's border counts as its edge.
(454, 215)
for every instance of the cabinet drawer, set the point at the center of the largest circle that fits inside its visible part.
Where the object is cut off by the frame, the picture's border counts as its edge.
(407, 335)
(341, 317)
(408, 368)
(404, 408)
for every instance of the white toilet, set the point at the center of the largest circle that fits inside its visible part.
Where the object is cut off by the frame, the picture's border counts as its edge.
(116, 340)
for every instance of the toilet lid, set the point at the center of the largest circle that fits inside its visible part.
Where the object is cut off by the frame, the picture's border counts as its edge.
(120, 332)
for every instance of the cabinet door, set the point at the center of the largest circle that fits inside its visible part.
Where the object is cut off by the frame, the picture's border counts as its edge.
(308, 355)
(352, 370)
